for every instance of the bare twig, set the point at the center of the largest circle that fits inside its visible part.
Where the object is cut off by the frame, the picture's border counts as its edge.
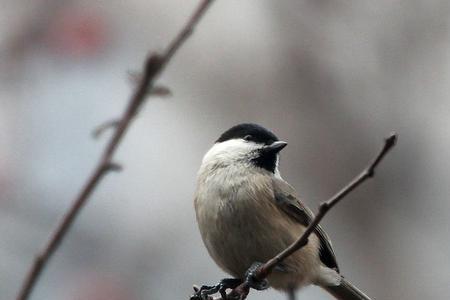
(157, 90)
(99, 130)
(242, 290)
(152, 68)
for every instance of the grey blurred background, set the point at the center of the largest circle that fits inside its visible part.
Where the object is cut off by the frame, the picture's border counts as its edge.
(331, 77)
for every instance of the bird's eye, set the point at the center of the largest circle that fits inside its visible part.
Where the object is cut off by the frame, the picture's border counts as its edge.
(248, 137)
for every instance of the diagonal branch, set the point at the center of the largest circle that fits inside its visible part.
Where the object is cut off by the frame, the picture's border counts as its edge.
(154, 65)
(242, 290)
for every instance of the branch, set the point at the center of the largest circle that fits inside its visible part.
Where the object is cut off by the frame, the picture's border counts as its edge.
(154, 65)
(242, 290)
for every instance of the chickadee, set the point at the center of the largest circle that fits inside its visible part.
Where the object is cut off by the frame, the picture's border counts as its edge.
(247, 213)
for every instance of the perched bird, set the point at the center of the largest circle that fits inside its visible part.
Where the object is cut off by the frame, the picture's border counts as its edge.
(247, 213)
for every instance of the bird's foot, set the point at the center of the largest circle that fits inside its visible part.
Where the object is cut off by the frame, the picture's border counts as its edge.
(205, 291)
(254, 282)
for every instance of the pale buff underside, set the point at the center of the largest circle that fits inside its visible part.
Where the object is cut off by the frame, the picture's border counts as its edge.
(241, 225)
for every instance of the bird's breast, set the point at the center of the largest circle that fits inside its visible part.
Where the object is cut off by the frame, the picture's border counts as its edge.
(239, 221)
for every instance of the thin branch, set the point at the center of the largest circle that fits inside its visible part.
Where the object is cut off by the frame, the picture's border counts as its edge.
(154, 65)
(100, 129)
(242, 291)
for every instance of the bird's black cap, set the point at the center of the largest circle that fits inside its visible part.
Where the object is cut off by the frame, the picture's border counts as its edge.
(253, 132)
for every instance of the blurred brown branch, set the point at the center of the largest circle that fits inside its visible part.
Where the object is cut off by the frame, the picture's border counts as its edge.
(262, 272)
(153, 66)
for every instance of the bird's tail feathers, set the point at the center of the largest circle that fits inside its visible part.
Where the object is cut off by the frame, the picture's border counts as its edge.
(346, 291)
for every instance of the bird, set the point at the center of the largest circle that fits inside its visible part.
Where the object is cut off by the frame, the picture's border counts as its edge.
(247, 213)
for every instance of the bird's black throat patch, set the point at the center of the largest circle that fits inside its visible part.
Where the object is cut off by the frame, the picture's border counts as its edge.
(267, 161)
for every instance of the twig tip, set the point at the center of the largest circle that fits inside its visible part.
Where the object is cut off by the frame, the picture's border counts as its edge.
(391, 140)
(99, 130)
(161, 91)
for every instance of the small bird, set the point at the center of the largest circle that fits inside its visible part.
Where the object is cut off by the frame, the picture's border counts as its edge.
(247, 214)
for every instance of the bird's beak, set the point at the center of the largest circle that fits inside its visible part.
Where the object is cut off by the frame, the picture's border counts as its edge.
(275, 147)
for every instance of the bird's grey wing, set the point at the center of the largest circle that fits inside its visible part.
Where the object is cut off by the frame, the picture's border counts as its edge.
(287, 200)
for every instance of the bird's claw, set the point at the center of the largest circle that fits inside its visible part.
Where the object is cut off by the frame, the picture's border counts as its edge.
(251, 279)
(204, 292)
